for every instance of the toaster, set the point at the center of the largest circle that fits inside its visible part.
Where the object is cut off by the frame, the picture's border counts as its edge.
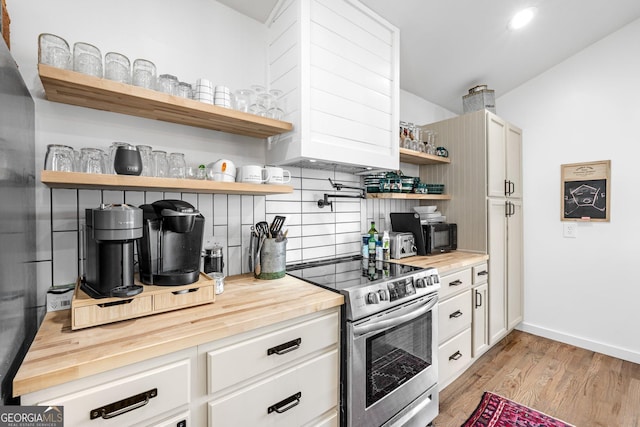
(403, 244)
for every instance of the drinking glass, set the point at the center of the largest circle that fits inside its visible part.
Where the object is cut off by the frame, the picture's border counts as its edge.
(87, 59)
(276, 108)
(257, 100)
(147, 159)
(167, 83)
(112, 155)
(243, 99)
(184, 90)
(54, 51)
(117, 67)
(177, 165)
(59, 158)
(92, 160)
(144, 73)
(160, 164)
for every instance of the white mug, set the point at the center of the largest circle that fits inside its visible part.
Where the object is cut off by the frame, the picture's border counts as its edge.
(276, 175)
(252, 173)
(222, 166)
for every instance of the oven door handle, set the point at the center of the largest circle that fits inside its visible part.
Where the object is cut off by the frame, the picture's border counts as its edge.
(381, 325)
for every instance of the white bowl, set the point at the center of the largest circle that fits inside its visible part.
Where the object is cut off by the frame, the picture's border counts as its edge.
(421, 210)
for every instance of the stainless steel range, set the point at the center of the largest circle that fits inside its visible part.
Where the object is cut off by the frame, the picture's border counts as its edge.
(389, 336)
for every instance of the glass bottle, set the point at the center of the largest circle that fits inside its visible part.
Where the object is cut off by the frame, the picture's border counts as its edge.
(372, 240)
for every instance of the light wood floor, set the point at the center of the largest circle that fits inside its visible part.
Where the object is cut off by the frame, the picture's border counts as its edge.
(578, 386)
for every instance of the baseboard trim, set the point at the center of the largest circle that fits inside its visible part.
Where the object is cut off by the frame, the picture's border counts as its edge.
(598, 347)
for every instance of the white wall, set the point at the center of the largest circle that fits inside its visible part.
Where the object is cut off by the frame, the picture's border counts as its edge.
(585, 290)
(190, 39)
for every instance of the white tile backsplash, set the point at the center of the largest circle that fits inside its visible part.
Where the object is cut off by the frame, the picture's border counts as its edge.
(313, 232)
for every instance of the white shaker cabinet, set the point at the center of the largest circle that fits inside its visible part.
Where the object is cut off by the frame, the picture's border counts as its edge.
(486, 177)
(337, 63)
(480, 295)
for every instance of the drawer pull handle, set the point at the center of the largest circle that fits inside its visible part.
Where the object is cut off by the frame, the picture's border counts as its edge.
(114, 303)
(285, 348)
(455, 283)
(185, 291)
(120, 407)
(455, 314)
(483, 273)
(455, 356)
(286, 404)
(478, 299)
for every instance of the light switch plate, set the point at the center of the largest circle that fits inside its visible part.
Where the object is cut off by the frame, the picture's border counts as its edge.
(569, 229)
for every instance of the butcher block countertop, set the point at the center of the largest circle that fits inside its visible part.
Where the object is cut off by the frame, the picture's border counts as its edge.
(446, 262)
(58, 354)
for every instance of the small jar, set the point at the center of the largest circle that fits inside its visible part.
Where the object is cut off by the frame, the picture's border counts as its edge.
(219, 279)
(177, 165)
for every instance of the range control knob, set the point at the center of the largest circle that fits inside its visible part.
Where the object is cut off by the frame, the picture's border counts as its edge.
(421, 282)
(383, 294)
(373, 298)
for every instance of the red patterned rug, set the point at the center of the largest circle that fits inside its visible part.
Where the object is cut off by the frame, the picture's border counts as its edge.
(497, 411)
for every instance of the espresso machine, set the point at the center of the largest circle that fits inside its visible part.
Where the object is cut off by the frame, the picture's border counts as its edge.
(170, 248)
(110, 235)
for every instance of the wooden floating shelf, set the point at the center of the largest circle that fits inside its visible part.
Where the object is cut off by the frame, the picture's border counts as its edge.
(416, 158)
(56, 179)
(406, 196)
(70, 87)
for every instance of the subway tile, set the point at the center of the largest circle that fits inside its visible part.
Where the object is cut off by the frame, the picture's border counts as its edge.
(294, 256)
(342, 238)
(134, 198)
(65, 257)
(234, 221)
(219, 235)
(235, 260)
(293, 243)
(220, 209)
(318, 218)
(319, 240)
(205, 206)
(259, 208)
(315, 173)
(170, 195)
(347, 227)
(64, 210)
(191, 198)
(348, 249)
(294, 196)
(153, 196)
(44, 280)
(318, 252)
(246, 207)
(112, 197)
(281, 207)
(347, 217)
(313, 184)
(318, 229)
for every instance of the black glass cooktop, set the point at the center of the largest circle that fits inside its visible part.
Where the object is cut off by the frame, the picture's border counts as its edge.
(348, 272)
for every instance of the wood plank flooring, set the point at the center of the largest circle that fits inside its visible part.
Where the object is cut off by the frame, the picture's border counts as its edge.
(579, 386)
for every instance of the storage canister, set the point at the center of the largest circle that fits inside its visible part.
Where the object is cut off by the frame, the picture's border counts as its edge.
(479, 98)
(273, 259)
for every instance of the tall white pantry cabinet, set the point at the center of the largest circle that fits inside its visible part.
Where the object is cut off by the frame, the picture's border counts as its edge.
(485, 182)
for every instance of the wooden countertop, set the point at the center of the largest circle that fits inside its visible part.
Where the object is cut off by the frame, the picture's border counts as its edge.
(446, 262)
(58, 354)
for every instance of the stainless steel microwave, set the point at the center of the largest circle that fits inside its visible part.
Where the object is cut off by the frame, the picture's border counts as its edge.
(430, 238)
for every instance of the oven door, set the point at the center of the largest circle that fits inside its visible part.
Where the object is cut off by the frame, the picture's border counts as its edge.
(391, 361)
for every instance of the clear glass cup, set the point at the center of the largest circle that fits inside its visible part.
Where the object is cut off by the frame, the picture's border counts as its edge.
(147, 159)
(87, 59)
(59, 158)
(77, 161)
(144, 73)
(54, 50)
(276, 109)
(257, 106)
(92, 160)
(177, 165)
(160, 164)
(167, 83)
(243, 99)
(117, 67)
(185, 90)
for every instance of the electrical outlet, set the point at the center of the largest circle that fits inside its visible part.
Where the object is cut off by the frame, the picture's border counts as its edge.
(570, 229)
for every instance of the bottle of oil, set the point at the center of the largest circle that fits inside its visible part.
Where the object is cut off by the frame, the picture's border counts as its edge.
(372, 240)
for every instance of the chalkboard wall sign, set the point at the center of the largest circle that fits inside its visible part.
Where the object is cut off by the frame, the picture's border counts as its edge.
(585, 191)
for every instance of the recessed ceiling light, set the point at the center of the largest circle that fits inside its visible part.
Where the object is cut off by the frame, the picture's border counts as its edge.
(522, 18)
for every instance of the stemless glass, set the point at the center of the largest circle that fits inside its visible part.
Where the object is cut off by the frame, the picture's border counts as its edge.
(276, 109)
(177, 165)
(147, 159)
(54, 51)
(112, 155)
(59, 158)
(117, 67)
(243, 99)
(92, 160)
(144, 73)
(167, 83)
(160, 164)
(184, 90)
(87, 59)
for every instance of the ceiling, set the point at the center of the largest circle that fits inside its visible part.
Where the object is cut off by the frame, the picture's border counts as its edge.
(449, 46)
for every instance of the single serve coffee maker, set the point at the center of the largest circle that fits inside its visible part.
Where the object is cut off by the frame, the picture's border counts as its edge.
(170, 247)
(110, 233)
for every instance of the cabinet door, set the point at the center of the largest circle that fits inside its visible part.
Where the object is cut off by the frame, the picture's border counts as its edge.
(514, 265)
(514, 161)
(497, 243)
(480, 320)
(496, 155)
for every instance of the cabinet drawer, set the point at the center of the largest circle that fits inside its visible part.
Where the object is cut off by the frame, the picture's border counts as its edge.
(170, 382)
(98, 314)
(183, 418)
(480, 273)
(232, 364)
(454, 315)
(308, 390)
(194, 296)
(454, 356)
(453, 283)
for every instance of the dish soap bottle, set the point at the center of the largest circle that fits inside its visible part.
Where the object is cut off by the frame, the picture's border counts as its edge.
(372, 240)
(386, 250)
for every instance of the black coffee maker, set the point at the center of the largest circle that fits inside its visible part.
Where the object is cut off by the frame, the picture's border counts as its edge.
(110, 233)
(169, 251)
